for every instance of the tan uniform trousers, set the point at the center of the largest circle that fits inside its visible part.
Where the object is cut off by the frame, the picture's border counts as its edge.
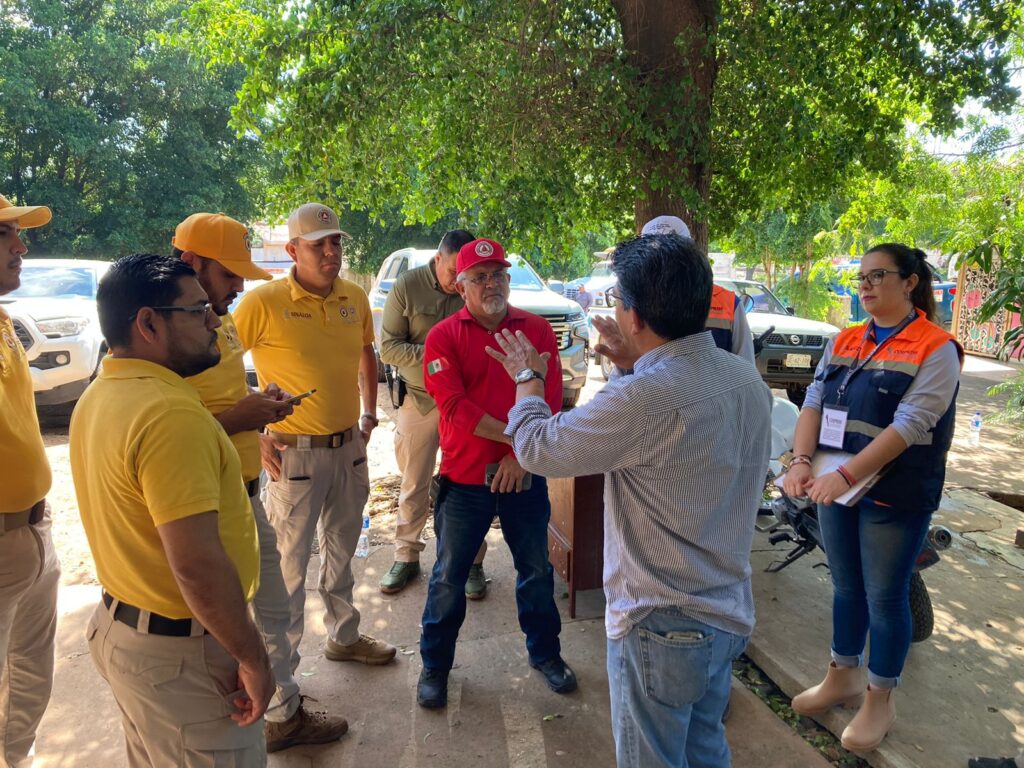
(416, 443)
(322, 491)
(272, 611)
(175, 697)
(29, 574)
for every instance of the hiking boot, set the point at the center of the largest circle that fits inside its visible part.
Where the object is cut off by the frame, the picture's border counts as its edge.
(365, 650)
(305, 727)
(557, 674)
(399, 577)
(476, 584)
(432, 689)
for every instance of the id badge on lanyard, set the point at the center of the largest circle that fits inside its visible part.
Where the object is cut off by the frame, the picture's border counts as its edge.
(833, 426)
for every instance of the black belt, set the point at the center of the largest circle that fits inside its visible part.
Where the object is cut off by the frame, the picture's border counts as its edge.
(158, 625)
(252, 487)
(14, 520)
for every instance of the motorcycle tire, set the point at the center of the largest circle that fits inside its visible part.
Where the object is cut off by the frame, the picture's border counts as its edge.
(922, 620)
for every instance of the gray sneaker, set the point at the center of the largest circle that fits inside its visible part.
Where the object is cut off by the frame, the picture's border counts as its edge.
(398, 577)
(476, 584)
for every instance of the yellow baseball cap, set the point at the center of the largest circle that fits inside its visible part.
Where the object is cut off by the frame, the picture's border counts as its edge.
(27, 216)
(221, 238)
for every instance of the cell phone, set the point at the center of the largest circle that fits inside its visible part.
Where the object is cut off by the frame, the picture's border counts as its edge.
(298, 398)
(492, 469)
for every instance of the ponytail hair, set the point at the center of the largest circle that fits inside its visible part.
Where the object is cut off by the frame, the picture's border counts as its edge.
(912, 261)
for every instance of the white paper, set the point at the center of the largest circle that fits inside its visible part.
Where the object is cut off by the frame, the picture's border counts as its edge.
(828, 461)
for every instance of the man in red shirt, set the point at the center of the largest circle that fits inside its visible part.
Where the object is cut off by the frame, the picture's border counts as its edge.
(480, 477)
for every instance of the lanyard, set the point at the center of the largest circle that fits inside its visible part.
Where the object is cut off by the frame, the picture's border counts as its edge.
(858, 366)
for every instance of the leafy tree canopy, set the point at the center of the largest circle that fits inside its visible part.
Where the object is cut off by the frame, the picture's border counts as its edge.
(545, 120)
(120, 135)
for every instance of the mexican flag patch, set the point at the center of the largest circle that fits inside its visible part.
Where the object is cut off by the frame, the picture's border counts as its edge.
(438, 365)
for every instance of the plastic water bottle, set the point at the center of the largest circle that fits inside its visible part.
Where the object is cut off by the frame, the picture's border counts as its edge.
(974, 440)
(363, 547)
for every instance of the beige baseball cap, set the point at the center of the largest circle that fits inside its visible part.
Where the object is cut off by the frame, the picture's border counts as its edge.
(313, 221)
(26, 216)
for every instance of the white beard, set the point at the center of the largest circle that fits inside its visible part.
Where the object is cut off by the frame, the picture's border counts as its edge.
(495, 305)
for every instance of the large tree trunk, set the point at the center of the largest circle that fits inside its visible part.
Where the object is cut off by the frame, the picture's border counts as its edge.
(669, 42)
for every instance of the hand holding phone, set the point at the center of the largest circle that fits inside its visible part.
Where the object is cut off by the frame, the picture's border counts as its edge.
(298, 398)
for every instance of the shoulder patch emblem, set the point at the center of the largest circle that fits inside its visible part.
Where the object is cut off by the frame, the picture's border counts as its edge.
(438, 365)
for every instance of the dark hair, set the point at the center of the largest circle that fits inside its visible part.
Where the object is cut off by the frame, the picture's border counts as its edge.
(453, 241)
(667, 281)
(136, 281)
(912, 261)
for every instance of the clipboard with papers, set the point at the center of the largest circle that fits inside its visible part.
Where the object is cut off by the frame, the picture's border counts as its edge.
(825, 461)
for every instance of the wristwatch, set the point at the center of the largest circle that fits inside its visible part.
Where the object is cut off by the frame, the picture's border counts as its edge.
(528, 374)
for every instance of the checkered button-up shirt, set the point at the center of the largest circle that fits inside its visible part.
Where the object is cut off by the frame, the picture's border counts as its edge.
(684, 442)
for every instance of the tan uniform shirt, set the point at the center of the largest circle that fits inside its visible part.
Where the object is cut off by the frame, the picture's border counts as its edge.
(415, 304)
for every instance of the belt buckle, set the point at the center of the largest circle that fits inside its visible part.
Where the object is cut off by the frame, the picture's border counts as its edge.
(303, 442)
(337, 440)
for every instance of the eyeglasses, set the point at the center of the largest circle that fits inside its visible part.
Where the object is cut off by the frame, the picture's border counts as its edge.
(195, 309)
(500, 277)
(613, 296)
(875, 276)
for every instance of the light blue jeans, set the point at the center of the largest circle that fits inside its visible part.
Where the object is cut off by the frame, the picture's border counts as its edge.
(669, 680)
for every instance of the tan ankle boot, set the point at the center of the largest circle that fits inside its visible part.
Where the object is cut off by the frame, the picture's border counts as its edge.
(842, 685)
(870, 725)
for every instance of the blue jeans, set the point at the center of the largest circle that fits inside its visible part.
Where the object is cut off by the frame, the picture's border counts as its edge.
(462, 519)
(669, 681)
(871, 550)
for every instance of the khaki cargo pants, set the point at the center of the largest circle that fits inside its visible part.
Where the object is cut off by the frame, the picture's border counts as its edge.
(29, 574)
(175, 697)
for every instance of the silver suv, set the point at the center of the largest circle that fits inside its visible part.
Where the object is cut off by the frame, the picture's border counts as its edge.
(528, 292)
(54, 315)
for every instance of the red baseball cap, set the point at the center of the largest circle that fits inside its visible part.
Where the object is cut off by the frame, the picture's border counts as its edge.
(480, 252)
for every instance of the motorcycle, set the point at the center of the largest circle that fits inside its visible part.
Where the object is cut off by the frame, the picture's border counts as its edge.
(796, 521)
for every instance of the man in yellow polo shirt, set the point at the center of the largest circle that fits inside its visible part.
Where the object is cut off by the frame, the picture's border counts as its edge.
(160, 491)
(313, 331)
(29, 569)
(217, 248)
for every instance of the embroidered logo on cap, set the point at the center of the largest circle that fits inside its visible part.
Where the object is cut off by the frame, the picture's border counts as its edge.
(324, 215)
(484, 249)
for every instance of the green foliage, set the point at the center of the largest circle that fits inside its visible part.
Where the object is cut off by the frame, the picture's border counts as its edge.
(810, 293)
(1013, 411)
(534, 120)
(121, 135)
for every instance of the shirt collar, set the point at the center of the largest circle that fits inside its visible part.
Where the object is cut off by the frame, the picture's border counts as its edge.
(514, 315)
(685, 345)
(298, 292)
(123, 368)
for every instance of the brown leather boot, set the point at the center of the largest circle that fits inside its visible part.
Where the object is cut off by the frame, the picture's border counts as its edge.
(304, 727)
(842, 685)
(872, 722)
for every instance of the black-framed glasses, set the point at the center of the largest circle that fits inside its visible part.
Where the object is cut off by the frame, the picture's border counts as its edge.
(875, 276)
(203, 309)
(613, 296)
(498, 277)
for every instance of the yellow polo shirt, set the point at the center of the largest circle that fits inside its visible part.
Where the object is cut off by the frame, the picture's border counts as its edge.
(302, 341)
(222, 386)
(24, 470)
(145, 452)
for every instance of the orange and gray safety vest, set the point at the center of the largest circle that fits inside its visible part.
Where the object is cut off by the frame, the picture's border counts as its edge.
(870, 380)
(721, 316)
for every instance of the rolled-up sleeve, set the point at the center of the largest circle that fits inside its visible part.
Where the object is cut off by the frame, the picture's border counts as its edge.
(929, 395)
(816, 389)
(604, 435)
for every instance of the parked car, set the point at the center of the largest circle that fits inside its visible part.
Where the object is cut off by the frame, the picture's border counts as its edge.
(600, 280)
(791, 351)
(528, 292)
(54, 315)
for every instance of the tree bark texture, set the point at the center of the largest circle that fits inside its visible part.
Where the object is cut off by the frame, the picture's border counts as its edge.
(670, 42)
